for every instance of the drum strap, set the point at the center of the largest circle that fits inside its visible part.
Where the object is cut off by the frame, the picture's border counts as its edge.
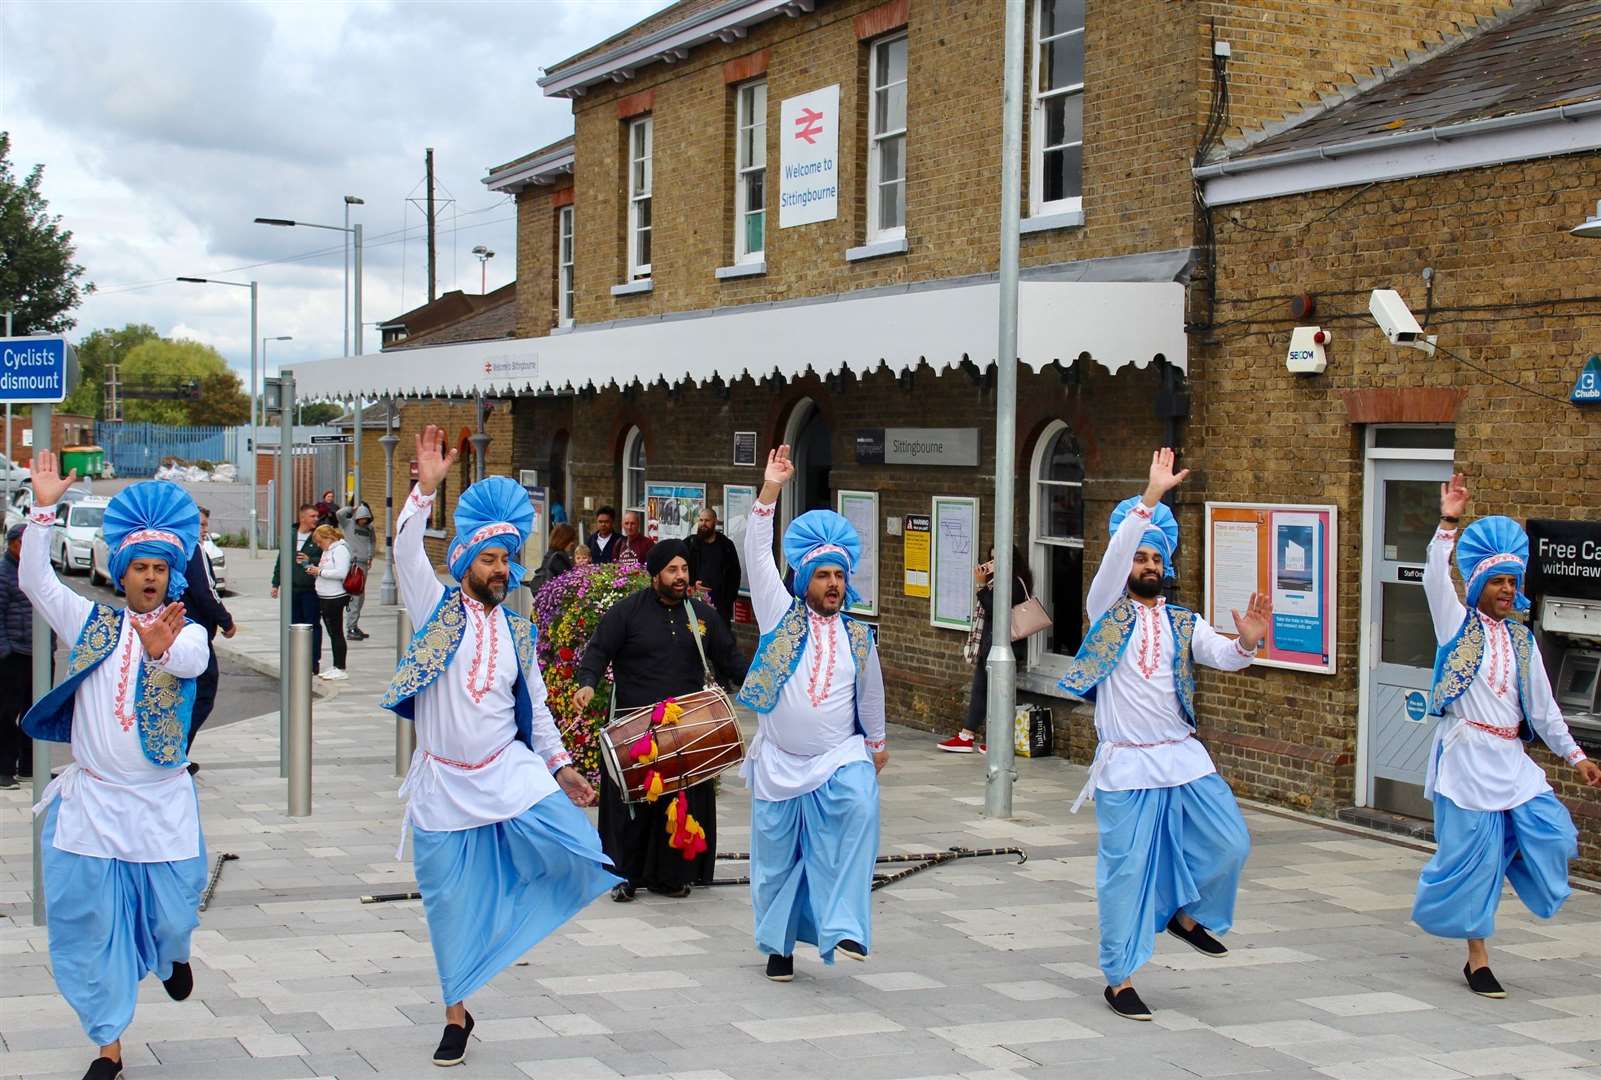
(694, 631)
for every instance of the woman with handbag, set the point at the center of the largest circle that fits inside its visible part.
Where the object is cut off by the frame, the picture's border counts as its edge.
(977, 650)
(332, 598)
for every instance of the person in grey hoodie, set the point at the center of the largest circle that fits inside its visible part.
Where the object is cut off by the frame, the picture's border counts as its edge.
(356, 523)
(16, 666)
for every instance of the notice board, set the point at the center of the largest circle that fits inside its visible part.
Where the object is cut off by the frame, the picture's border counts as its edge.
(955, 541)
(860, 508)
(1285, 550)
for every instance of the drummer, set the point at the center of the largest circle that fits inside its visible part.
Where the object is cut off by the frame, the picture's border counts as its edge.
(647, 640)
(818, 689)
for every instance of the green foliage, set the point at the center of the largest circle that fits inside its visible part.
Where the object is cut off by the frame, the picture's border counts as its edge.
(96, 353)
(321, 413)
(161, 364)
(39, 283)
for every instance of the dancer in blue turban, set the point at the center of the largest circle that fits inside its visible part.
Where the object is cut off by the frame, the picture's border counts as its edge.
(124, 858)
(502, 852)
(1495, 817)
(818, 693)
(1172, 841)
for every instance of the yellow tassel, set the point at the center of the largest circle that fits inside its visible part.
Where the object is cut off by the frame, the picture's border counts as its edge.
(671, 713)
(653, 790)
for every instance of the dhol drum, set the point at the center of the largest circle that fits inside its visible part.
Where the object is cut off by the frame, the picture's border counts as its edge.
(700, 743)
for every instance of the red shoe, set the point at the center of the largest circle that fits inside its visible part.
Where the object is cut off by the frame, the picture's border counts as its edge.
(958, 744)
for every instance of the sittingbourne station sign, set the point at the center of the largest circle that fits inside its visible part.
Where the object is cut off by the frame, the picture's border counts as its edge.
(808, 158)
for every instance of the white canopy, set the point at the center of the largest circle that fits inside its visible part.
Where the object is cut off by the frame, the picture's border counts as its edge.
(1113, 323)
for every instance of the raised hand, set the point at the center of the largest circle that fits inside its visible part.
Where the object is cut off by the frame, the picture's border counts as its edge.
(433, 463)
(1162, 477)
(158, 637)
(48, 485)
(1454, 497)
(779, 467)
(1253, 625)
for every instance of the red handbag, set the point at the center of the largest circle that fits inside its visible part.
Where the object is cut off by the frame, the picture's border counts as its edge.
(356, 581)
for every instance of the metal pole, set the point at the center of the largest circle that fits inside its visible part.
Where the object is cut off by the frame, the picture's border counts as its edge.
(386, 588)
(1002, 665)
(360, 409)
(346, 308)
(286, 560)
(43, 680)
(10, 464)
(480, 443)
(405, 730)
(298, 680)
(255, 342)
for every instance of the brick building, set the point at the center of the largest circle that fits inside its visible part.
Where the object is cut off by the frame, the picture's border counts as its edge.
(694, 286)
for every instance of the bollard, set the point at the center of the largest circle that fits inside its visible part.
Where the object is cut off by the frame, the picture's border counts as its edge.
(299, 675)
(405, 732)
(520, 601)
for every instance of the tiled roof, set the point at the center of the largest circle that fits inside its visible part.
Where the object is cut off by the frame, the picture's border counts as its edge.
(495, 317)
(566, 142)
(1540, 56)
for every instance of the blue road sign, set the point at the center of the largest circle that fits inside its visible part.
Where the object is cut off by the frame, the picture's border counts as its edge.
(1587, 391)
(36, 370)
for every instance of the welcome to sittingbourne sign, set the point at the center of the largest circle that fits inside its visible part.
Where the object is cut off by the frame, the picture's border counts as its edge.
(36, 370)
(808, 158)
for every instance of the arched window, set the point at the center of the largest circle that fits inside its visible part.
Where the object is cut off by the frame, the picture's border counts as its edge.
(634, 470)
(1056, 551)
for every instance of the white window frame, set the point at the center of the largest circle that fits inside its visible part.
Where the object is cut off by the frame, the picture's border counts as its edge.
(639, 195)
(1038, 658)
(634, 485)
(747, 173)
(564, 266)
(875, 137)
(1038, 206)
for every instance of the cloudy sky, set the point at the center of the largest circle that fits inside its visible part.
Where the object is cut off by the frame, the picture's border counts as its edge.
(165, 129)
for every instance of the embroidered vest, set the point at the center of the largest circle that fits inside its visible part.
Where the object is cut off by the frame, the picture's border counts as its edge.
(779, 651)
(1104, 645)
(1456, 665)
(162, 702)
(432, 648)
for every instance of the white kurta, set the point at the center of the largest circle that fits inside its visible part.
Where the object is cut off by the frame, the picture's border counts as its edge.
(115, 803)
(1481, 770)
(811, 732)
(1145, 742)
(470, 769)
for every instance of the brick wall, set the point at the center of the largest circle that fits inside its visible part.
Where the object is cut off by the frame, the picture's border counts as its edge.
(1509, 295)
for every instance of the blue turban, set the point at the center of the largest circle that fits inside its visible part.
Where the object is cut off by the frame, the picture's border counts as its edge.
(1162, 533)
(153, 519)
(495, 512)
(1489, 547)
(821, 538)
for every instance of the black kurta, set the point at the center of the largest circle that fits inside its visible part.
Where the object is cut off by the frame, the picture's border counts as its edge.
(715, 564)
(652, 654)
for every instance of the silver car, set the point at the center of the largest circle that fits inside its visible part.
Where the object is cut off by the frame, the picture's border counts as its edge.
(100, 561)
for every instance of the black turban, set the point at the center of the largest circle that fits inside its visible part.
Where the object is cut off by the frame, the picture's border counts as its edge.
(664, 552)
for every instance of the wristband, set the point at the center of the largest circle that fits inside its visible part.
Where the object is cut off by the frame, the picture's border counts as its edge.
(1450, 519)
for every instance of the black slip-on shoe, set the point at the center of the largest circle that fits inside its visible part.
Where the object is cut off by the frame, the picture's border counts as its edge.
(1127, 1004)
(8, 781)
(622, 892)
(781, 968)
(853, 949)
(1197, 939)
(672, 892)
(181, 982)
(103, 1069)
(1483, 983)
(453, 1045)
(193, 767)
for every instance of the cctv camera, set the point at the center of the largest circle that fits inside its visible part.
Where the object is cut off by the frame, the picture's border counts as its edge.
(1394, 317)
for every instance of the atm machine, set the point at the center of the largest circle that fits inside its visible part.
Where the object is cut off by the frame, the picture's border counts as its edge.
(1564, 582)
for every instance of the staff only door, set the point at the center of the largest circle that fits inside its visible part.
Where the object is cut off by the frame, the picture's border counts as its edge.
(1403, 509)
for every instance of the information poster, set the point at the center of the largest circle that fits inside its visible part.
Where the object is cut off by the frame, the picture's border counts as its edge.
(916, 530)
(955, 540)
(860, 508)
(737, 501)
(671, 509)
(1287, 552)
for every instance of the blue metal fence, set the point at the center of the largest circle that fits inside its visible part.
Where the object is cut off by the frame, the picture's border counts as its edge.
(137, 448)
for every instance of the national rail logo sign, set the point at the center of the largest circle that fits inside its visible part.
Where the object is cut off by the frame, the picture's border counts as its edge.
(808, 158)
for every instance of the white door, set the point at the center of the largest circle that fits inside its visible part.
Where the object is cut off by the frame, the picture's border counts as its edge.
(1406, 509)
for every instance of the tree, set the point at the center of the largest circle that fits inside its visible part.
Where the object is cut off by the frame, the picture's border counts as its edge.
(171, 366)
(96, 353)
(320, 412)
(39, 282)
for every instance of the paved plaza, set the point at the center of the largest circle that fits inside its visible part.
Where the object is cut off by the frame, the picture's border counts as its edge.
(981, 969)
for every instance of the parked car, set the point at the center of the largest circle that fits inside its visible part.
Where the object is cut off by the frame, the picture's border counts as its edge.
(100, 559)
(74, 530)
(18, 473)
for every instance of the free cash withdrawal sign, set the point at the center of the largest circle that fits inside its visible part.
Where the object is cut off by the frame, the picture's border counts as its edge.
(808, 158)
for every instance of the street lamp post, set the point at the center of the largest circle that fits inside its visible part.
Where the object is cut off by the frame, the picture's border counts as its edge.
(353, 233)
(386, 588)
(254, 297)
(484, 255)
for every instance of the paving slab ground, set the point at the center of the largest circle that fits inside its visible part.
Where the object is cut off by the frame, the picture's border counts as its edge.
(982, 969)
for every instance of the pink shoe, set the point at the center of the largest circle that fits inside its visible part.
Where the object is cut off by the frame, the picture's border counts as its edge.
(958, 744)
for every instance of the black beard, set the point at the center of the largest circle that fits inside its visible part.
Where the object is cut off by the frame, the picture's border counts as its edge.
(704, 535)
(487, 593)
(1147, 590)
(667, 594)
